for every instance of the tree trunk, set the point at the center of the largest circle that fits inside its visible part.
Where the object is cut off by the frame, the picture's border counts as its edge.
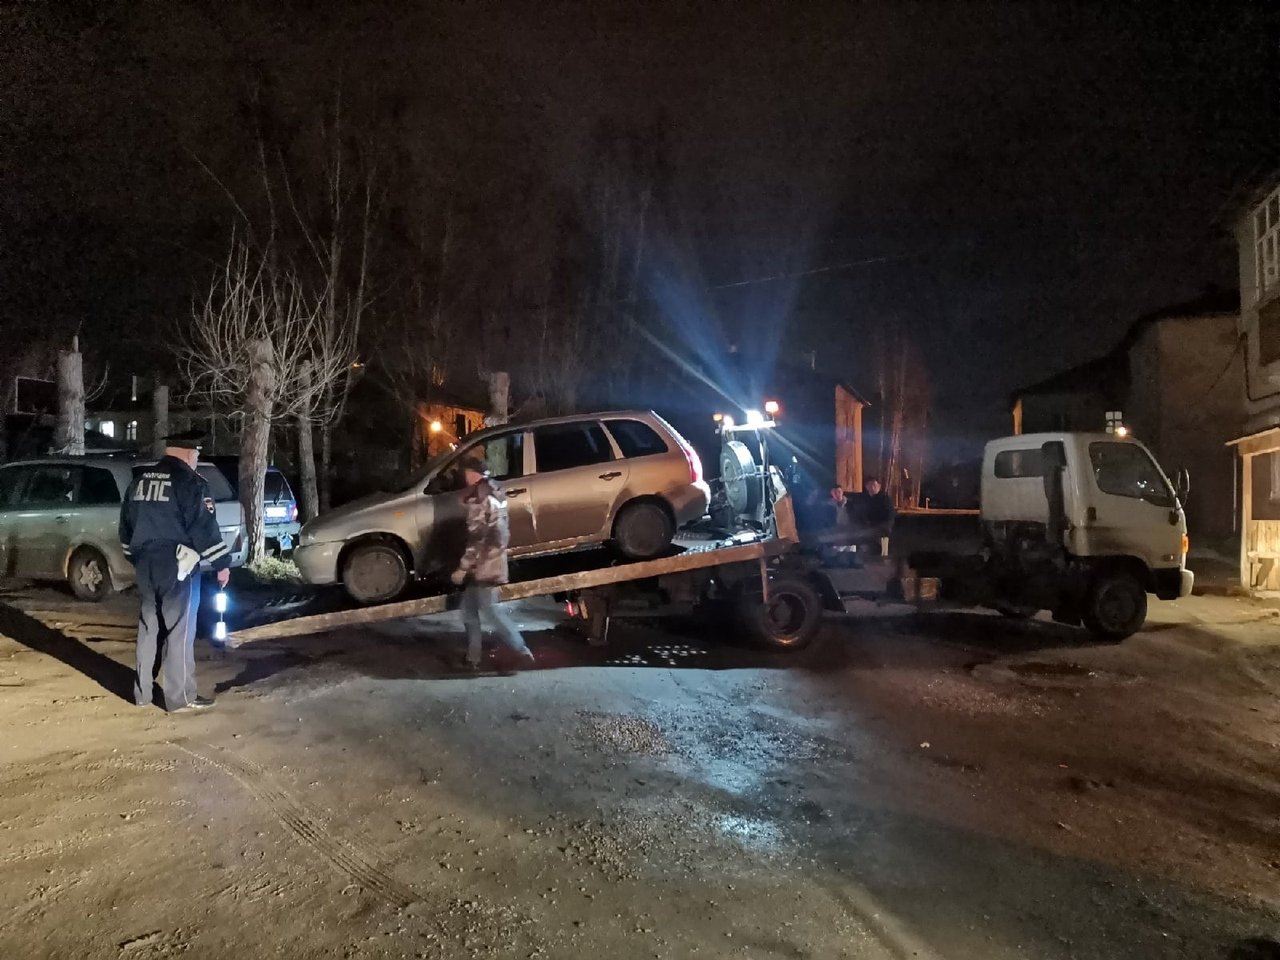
(160, 419)
(499, 409)
(326, 466)
(69, 438)
(255, 444)
(307, 452)
(499, 399)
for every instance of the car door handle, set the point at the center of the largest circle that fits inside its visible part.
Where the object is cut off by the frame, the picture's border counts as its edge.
(517, 491)
(612, 475)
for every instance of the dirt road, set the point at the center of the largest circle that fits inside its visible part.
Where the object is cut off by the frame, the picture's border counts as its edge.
(942, 786)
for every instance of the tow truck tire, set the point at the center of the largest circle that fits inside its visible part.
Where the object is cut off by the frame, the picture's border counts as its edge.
(789, 620)
(375, 572)
(88, 575)
(1115, 605)
(643, 531)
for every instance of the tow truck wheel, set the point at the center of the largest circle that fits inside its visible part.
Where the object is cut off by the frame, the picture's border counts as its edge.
(643, 531)
(1115, 606)
(788, 620)
(375, 572)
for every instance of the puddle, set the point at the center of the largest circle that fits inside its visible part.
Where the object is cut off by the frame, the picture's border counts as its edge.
(751, 832)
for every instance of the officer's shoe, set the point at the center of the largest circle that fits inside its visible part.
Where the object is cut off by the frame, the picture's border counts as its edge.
(199, 703)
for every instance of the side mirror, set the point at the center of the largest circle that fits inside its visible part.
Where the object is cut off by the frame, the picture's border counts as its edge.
(1182, 485)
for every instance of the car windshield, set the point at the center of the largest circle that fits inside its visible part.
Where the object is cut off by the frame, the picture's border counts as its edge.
(1126, 470)
(408, 481)
(219, 489)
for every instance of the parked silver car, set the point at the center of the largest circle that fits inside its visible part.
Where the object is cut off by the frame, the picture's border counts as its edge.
(59, 520)
(623, 477)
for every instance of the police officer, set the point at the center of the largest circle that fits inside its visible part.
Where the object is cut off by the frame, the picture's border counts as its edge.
(167, 526)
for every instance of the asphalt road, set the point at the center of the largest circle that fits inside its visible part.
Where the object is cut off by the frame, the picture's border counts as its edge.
(946, 785)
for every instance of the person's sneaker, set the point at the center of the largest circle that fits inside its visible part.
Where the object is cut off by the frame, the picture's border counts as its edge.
(199, 703)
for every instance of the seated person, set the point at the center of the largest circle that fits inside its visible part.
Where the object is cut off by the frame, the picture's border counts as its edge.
(863, 518)
(872, 510)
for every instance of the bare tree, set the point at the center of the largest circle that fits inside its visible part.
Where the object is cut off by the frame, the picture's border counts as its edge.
(256, 348)
(905, 395)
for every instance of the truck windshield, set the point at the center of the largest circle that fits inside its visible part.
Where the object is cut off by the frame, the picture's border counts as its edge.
(1127, 470)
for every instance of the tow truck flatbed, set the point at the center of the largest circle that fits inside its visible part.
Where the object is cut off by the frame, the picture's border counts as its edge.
(735, 560)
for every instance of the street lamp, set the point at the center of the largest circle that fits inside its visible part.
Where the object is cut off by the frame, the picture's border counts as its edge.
(436, 426)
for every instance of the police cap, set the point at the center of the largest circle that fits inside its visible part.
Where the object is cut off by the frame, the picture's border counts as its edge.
(190, 440)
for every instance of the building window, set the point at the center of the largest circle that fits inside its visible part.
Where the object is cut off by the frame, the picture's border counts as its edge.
(107, 428)
(131, 430)
(1266, 240)
(1115, 420)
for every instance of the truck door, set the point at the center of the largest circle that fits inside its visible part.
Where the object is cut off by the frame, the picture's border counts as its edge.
(1131, 509)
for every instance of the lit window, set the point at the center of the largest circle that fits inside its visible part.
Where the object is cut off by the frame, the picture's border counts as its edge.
(1274, 457)
(131, 431)
(107, 428)
(1266, 239)
(1115, 420)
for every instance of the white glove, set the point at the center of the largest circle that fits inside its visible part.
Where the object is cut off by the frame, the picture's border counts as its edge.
(188, 560)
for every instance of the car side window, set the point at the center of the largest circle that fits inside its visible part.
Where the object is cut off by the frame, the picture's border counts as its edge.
(504, 455)
(98, 488)
(568, 445)
(51, 486)
(11, 481)
(636, 439)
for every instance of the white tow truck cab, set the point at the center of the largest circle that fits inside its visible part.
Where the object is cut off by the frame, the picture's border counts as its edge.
(1082, 524)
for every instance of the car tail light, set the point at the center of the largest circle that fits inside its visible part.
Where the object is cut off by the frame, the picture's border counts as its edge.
(294, 514)
(695, 463)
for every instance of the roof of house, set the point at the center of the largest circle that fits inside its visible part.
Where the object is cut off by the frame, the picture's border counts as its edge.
(1113, 366)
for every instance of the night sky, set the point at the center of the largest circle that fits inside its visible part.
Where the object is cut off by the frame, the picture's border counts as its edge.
(1023, 179)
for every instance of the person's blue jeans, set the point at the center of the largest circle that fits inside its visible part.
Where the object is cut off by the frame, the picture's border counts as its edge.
(478, 601)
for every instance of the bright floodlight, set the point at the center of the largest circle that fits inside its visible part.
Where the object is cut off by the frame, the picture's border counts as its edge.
(755, 418)
(436, 426)
(1122, 431)
(771, 407)
(717, 417)
(727, 420)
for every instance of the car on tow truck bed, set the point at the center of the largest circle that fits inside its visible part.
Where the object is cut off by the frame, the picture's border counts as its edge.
(620, 477)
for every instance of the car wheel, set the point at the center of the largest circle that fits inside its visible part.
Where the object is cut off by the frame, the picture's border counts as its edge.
(788, 620)
(1115, 606)
(375, 572)
(89, 576)
(643, 531)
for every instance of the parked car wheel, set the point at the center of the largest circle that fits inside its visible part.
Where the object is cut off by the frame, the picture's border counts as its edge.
(788, 620)
(1115, 606)
(89, 576)
(375, 572)
(643, 531)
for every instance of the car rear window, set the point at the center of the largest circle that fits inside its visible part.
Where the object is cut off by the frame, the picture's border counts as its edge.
(277, 487)
(98, 488)
(219, 489)
(567, 445)
(636, 439)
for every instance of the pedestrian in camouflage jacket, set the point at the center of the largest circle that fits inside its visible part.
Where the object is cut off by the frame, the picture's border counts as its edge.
(484, 563)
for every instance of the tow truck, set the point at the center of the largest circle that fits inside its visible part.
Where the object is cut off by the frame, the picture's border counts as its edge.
(743, 566)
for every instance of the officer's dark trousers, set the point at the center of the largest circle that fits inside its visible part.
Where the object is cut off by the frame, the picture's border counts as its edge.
(166, 623)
